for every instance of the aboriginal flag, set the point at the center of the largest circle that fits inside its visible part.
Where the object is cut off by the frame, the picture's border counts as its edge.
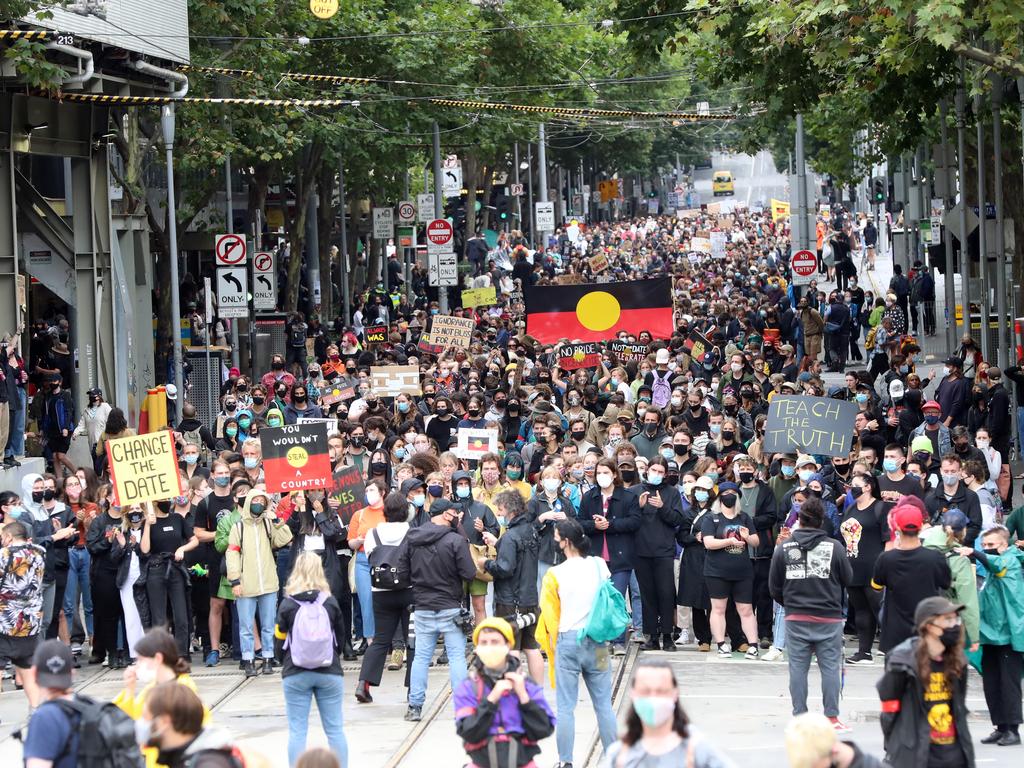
(598, 311)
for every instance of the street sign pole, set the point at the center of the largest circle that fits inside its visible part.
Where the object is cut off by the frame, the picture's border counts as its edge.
(346, 301)
(542, 174)
(167, 121)
(961, 159)
(208, 318)
(439, 205)
(231, 230)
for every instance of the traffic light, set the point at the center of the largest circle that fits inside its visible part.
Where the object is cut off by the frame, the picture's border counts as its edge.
(878, 190)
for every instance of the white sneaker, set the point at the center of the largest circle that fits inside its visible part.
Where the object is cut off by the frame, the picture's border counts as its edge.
(752, 653)
(774, 654)
(725, 650)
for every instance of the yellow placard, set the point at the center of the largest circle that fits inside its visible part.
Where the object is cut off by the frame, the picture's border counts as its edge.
(780, 209)
(479, 297)
(323, 9)
(144, 468)
(608, 190)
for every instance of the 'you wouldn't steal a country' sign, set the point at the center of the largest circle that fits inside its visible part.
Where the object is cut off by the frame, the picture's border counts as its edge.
(815, 425)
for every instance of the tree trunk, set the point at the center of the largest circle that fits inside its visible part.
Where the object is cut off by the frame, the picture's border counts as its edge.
(374, 257)
(307, 164)
(259, 183)
(485, 211)
(353, 241)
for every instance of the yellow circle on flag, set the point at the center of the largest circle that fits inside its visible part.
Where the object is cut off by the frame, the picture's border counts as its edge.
(598, 311)
(323, 9)
(297, 457)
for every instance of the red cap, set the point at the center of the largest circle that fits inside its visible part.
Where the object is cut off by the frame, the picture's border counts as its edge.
(932, 404)
(234, 373)
(907, 518)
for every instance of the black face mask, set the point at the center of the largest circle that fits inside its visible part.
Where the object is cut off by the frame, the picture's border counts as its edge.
(841, 469)
(961, 447)
(48, 495)
(681, 450)
(628, 475)
(37, 497)
(991, 552)
(473, 412)
(258, 400)
(728, 500)
(277, 366)
(578, 434)
(358, 441)
(950, 636)
(728, 435)
(442, 412)
(378, 467)
(134, 517)
(299, 398)
(856, 492)
(746, 477)
(696, 408)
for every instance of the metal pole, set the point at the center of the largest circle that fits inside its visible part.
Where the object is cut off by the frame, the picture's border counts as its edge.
(542, 174)
(439, 206)
(230, 207)
(407, 252)
(208, 317)
(529, 182)
(167, 123)
(1003, 351)
(519, 198)
(985, 305)
(948, 237)
(345, 298)
(961, 155)
(801, 179)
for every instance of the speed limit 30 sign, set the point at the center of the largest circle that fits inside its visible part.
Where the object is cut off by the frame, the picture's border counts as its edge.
(406, 212)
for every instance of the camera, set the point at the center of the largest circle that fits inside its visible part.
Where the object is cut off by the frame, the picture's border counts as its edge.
(523, 620)
(465, 621)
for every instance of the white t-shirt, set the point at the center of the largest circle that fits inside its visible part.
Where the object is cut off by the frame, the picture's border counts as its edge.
(578, 581)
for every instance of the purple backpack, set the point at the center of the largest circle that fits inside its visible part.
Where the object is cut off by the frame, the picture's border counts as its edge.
(311, 639)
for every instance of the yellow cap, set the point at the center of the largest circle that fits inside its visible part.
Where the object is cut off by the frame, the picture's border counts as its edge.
(499, 625)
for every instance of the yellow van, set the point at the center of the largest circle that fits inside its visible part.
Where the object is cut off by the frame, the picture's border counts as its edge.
(722, 183)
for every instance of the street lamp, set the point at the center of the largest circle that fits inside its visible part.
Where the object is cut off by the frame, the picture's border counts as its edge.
(167, 123)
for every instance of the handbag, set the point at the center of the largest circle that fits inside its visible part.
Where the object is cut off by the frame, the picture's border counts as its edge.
(608, 617)
(481, 553)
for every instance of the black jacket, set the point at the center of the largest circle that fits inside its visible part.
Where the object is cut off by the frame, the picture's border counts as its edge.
(964, 499)
(999, 419)
(656, 536)
(100, 545)
(547, 552)
(809, 573)
(766, 519)
(623, 521)
(439, 561)
(286, 611)
(515, 567)
(904, 719)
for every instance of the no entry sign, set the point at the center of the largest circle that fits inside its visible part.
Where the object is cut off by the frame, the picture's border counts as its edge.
(440, 236)
(804, 265)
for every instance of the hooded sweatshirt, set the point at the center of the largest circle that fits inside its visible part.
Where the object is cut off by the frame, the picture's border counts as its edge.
(251, 544)
(808, 575)
(274, 413)
(439, 563)
(40, 521)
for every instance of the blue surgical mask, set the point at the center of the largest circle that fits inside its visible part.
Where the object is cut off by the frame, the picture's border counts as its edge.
(862, 397)
(904, 369)
(667, 453)
(419, 500)
(890, 465)
(191, 458)
(712, 476)
(551, 484)
(221, 481)
(403, 407)
(654, 479)
(463, 491)
(931, 418)
(501, 520)
(716, 428)
(250, 462)
(700, 496)
(16, 512)
(788, 470)
(806, 475)
(950, 479)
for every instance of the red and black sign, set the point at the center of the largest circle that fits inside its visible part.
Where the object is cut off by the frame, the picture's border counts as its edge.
(573, 356)
(376, 334)
(599, 311)
(697, 344)
(625, 351)
(348, 488)
(295, 457)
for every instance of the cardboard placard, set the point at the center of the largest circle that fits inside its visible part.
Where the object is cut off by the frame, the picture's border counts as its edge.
(806, 424)
(573, 356)
(474, 443)
(144, 468)
(626, 351)
(394, 380)
(448, 331)
(424, 345)
(598, 263)
(295, 457)
(700, 244)
(348, 487)
(376, 334)
(479, 297)
(336, 395)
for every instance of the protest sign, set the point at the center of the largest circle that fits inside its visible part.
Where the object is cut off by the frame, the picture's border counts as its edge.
(805, 424)
(690, 213)
(479, 297)
(718, 241)
(573, 356)
(598, 263)
(714, 209)
(144, 468)
(350, 491)
(376, 334)
(700, 244)
(696, 344)
(474, 443)
(447, 331)
(626, 351)
(337, 394)
(394, 380)
(295, 457)
(425, 345)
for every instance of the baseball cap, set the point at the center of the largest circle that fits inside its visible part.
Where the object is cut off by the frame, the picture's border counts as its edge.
(955, 519)
(956, 362)
(662, 357)
(410, 485)
(932, 405)
(931, 607)
(728, 485)
(907, 519)
(53, 662)
(896, 389)
(172, 392)
(803, 460)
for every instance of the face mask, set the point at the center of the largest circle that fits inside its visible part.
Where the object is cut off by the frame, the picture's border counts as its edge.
(805, 475)
(716, 428)
(419, 500)
(403, 407)
(551, 484)
(712, 476)
(890, 465)
(654, 710)
(788, 470)
(856, 492)
(257, 509)
(655, 480)
(181, 500)
(578, 434)
(514, 473)
(492, 656)
(231, 431)
(982, 444)
(923, 458)
(615, 383)
(746, 477)
(276, 422)
(640, 413)
(244, 423)
(628, 475)
(945, 370)
(435, 491)
(299, 398)
(463, 491)
(143, 731)
(15, 512)
(277, 365)
(577, 474)
(700, 496)
(728, 434)
(37, 497)
(378, 467)
(134, 518)
(230, 406)
(145, 673)
(442, 412)
(358, 441)
(904, 369)
(191, 458)
(48, 495)
(605, 481)
(950, 479)
(950, 636)
(257, 400)
(473, 412)
(250, 462)
(736, 367)
(862, 397)
(221, 482)
(728, 500)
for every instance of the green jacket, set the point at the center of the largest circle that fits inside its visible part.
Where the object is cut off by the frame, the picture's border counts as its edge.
(1002, 600)
(251, 544)
(963, 588)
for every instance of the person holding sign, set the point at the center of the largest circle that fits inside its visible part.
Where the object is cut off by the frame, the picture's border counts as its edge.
(165, 539)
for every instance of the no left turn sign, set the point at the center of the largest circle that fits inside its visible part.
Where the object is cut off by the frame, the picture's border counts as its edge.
(230, 250)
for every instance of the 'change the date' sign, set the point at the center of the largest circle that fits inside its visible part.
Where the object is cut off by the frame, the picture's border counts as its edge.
(806, 424)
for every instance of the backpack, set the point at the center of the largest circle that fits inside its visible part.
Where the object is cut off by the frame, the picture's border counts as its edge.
(240, 757)
(869, 341)
(661, 390)
(194, 437)
(389, 565)
(608, 617)
(297, 335)
(311, 638)
(106, 734)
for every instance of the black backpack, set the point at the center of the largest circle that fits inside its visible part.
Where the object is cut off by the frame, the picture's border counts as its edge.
(389, 565)
(106, 734)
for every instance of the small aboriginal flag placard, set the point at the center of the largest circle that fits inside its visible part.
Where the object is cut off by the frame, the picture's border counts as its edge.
(295, 457)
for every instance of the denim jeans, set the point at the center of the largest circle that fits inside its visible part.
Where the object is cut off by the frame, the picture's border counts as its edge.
(429, 625)
(365, 591)
(627, 579)
(826, 641)
(16, 439)
(78, 581)
(247, 608)
(299, 690)
(779, 627)
(593, 661)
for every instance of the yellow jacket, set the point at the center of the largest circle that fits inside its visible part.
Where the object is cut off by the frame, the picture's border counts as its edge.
(550, 616)
(132, 706)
